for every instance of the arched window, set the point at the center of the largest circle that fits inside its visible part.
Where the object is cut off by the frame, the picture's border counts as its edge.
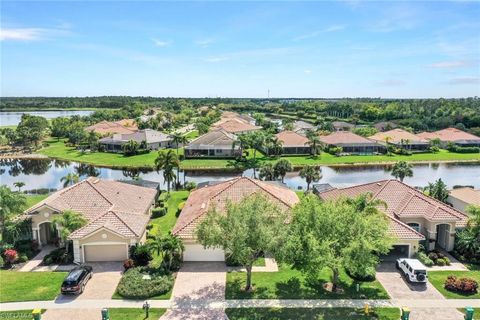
(414, 226)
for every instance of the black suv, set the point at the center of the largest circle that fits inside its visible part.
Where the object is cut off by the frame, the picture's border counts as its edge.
(76, 280)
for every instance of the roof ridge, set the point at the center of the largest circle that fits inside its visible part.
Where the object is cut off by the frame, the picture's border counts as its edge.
(123, 221)
(256, 182)
(99, 192)
(405, 225)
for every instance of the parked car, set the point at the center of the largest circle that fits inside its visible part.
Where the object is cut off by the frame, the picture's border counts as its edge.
(76, 280)
(413, 270)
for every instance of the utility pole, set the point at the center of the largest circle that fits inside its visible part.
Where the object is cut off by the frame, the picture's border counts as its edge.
(268, 93)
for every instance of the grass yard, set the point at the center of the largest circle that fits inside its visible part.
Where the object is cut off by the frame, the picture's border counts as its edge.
(437, 279)
(163, 225)
(17, 314)
(311, 314)
(290, 284)
(29, 286)
(476, 312)
(34, 199)
(134, 313)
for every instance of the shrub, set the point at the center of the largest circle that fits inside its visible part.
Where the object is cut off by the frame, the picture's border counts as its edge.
(128, 264)
(461, 285)
(180, 206)
(433, 256)
(140, 254)
(58, 256)
(425, 259)
(190, 185)
(134, 286)
(2, 263)
(11, 255)
(22, 258)
(158, 212)
(364, 274)
(447, 261)
(440, 262)
(149, 226)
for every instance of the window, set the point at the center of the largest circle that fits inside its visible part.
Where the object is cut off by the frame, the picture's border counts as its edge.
(414, 226)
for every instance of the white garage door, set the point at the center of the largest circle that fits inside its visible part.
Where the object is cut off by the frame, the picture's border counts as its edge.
(196, 252)
(111, 252)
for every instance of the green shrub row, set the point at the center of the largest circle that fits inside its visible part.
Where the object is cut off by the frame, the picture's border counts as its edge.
(134, 284)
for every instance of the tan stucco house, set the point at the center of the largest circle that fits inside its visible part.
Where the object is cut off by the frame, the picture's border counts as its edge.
(413, 216)
(461, 198)
(217, 195)
(117, 215)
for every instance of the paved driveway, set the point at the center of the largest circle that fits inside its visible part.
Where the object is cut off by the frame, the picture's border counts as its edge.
(198, 281)
(106, 276)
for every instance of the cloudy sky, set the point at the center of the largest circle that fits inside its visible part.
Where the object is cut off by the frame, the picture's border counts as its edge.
(241, 49)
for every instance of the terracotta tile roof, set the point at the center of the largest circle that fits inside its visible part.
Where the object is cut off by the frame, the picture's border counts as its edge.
(234, 126)
(346, 138)
(450, 134)
(108, 127)
(402, 230)
(204, 198)
(94, 198)
(291, 139)
(402, 201)
(467, 195)
(396, 135)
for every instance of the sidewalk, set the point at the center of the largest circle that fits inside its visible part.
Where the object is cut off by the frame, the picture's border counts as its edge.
(35, 261)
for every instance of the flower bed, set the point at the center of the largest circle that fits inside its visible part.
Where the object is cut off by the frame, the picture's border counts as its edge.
(461, 285)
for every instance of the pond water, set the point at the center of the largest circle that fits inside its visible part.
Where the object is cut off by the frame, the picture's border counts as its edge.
(8, 118)
(46, 173)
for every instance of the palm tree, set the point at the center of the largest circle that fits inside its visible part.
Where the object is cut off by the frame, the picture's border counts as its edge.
(273, 146)
(281, 168)
(167, 161)
(402, 169)
(314, 142)
(69, 179)
(267, 172)
(131, 147)
(11, 203)
(68, 222)
(178, 139)
(365, 203)
(311, 174)
(19, 185)
(168, 247)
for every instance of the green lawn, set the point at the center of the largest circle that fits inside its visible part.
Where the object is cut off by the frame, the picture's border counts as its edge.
(134, 313)
(17, 314)
(476, 312)
(312, 314)
(162, 225)
(29, 286)
(437, 279)
(192, 135)
(290, 284)
(57, 149)
(34, 199)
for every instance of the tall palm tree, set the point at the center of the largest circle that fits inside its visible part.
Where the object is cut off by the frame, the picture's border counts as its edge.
(274, 146)
(281, 168)
(19, 185)
(402, 169)
(69, 179)
(267, 172)
(68, 222)
(167, 161)
(168, 247)
(178, 139)
(313, 142)
(130, 147)
(311, 174)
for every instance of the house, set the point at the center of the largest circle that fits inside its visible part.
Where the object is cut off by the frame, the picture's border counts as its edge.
(302, 127)
(412, 215)
(214, 144)
(201, 200)
(236, 126)
(401, 139)
(385, 125)
(342, 126)
(461, 198)
(293, 143)
(154, 140)
(106, 128)
(117, 215)
(229, 115)
(352, 143)
(453, 135)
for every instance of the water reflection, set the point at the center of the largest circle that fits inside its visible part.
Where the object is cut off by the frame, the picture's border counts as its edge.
(46, 173)
(11, 118)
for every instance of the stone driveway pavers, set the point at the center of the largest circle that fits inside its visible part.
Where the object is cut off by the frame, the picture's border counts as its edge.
(198, 281)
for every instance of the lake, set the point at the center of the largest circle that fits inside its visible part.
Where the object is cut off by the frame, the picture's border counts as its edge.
(12, 118)
(46, 173)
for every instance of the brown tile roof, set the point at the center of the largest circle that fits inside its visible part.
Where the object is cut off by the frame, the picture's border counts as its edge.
(290, 138)
(396, 135)
(467, 195)
(99, 199)
(235, 125)
(345, 138)
(449, 134)
(402, 201)
(108, 127)
(202, 199)
(218, 139)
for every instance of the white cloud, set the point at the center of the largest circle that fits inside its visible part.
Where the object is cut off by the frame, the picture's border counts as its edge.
(451, 64)
(204, 42)
(161, 43)
(464, 80)
(332, 28)
(33, 34)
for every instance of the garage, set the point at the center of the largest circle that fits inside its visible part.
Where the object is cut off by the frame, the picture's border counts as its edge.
(196, 252)
(107, 252)
(398, 251)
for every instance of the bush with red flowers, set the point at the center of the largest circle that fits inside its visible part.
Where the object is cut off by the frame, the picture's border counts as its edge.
(461, 285)
(11, 255)
(128, 263)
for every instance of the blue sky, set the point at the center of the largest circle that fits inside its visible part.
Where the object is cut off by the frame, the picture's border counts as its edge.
(241, 49)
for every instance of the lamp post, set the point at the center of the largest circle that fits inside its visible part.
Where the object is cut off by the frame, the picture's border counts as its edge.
(146, 307)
